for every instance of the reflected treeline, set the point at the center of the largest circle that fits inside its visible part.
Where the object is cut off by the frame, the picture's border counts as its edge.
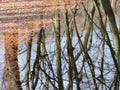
(89, 57)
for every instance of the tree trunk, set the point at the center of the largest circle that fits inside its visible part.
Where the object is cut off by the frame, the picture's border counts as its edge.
(58, 48)
(114, 30)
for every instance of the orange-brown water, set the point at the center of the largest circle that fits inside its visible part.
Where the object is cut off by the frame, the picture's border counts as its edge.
(24, 16)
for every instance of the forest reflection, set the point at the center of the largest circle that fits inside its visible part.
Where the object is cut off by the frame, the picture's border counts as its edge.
(59, 45)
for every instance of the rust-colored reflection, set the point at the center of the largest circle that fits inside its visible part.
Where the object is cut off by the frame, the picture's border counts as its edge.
(11, 72)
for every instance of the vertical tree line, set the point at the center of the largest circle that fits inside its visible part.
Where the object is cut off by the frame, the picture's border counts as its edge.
(84, 54)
